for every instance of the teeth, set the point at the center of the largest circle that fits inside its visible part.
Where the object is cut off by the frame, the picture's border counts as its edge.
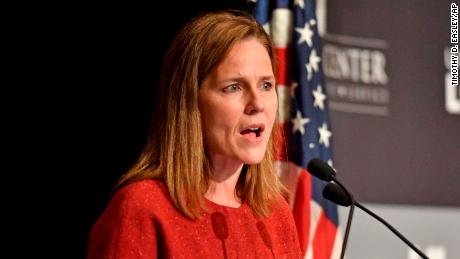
(254, 128)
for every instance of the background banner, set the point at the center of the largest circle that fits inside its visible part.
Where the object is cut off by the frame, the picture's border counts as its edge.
(395, 117)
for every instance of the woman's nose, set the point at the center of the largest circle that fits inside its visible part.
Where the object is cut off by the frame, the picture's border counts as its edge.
(255, 103)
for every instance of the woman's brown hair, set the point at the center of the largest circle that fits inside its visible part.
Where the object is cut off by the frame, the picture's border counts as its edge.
(175, 149)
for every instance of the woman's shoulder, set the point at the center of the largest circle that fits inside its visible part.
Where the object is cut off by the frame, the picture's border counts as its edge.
(144, 187)
(281, 209)
(141, 194)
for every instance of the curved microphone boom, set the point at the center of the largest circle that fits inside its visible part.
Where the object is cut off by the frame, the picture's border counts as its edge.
(323, 171)
(338, 196)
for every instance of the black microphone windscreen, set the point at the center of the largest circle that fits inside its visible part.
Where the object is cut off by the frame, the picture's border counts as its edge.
(321, 169)
(219, 225)
(336, 194)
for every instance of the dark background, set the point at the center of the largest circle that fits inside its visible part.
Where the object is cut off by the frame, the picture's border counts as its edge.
(98, 66)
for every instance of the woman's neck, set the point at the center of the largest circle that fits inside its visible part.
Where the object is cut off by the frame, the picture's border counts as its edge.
(222, 186)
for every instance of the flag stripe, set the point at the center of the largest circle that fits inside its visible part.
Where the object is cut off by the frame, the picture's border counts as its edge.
(282, 66)
(302, 208)
(322, 244)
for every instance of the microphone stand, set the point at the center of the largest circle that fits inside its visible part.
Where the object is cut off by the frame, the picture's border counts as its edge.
(323, 171)
(350, 217)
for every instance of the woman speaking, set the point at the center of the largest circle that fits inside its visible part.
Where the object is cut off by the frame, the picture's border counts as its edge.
(204, 185)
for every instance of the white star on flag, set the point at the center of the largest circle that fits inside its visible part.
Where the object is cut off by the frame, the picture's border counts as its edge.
(312, 63)
(319, 97)
(299, 122)
(324, 135)
(306, 34)
(300, 3)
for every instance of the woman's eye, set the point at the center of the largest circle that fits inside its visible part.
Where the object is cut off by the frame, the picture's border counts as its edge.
(266, 86)
(231, 88)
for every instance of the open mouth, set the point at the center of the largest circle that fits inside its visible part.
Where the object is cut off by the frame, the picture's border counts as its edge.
(253, 132)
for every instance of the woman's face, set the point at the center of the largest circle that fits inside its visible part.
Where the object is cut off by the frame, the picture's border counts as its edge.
(238, 105)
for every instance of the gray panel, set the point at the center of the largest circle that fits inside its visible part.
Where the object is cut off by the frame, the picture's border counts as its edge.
(434, 230)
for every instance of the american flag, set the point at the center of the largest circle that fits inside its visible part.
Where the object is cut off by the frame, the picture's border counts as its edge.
(303, 116)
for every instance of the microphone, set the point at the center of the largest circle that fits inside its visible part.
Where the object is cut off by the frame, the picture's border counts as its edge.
(263, 232)
(338, 196)
(220, 228)
(323, 171)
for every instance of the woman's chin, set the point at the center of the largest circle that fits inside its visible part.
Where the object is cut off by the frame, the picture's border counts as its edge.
(253, 160)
